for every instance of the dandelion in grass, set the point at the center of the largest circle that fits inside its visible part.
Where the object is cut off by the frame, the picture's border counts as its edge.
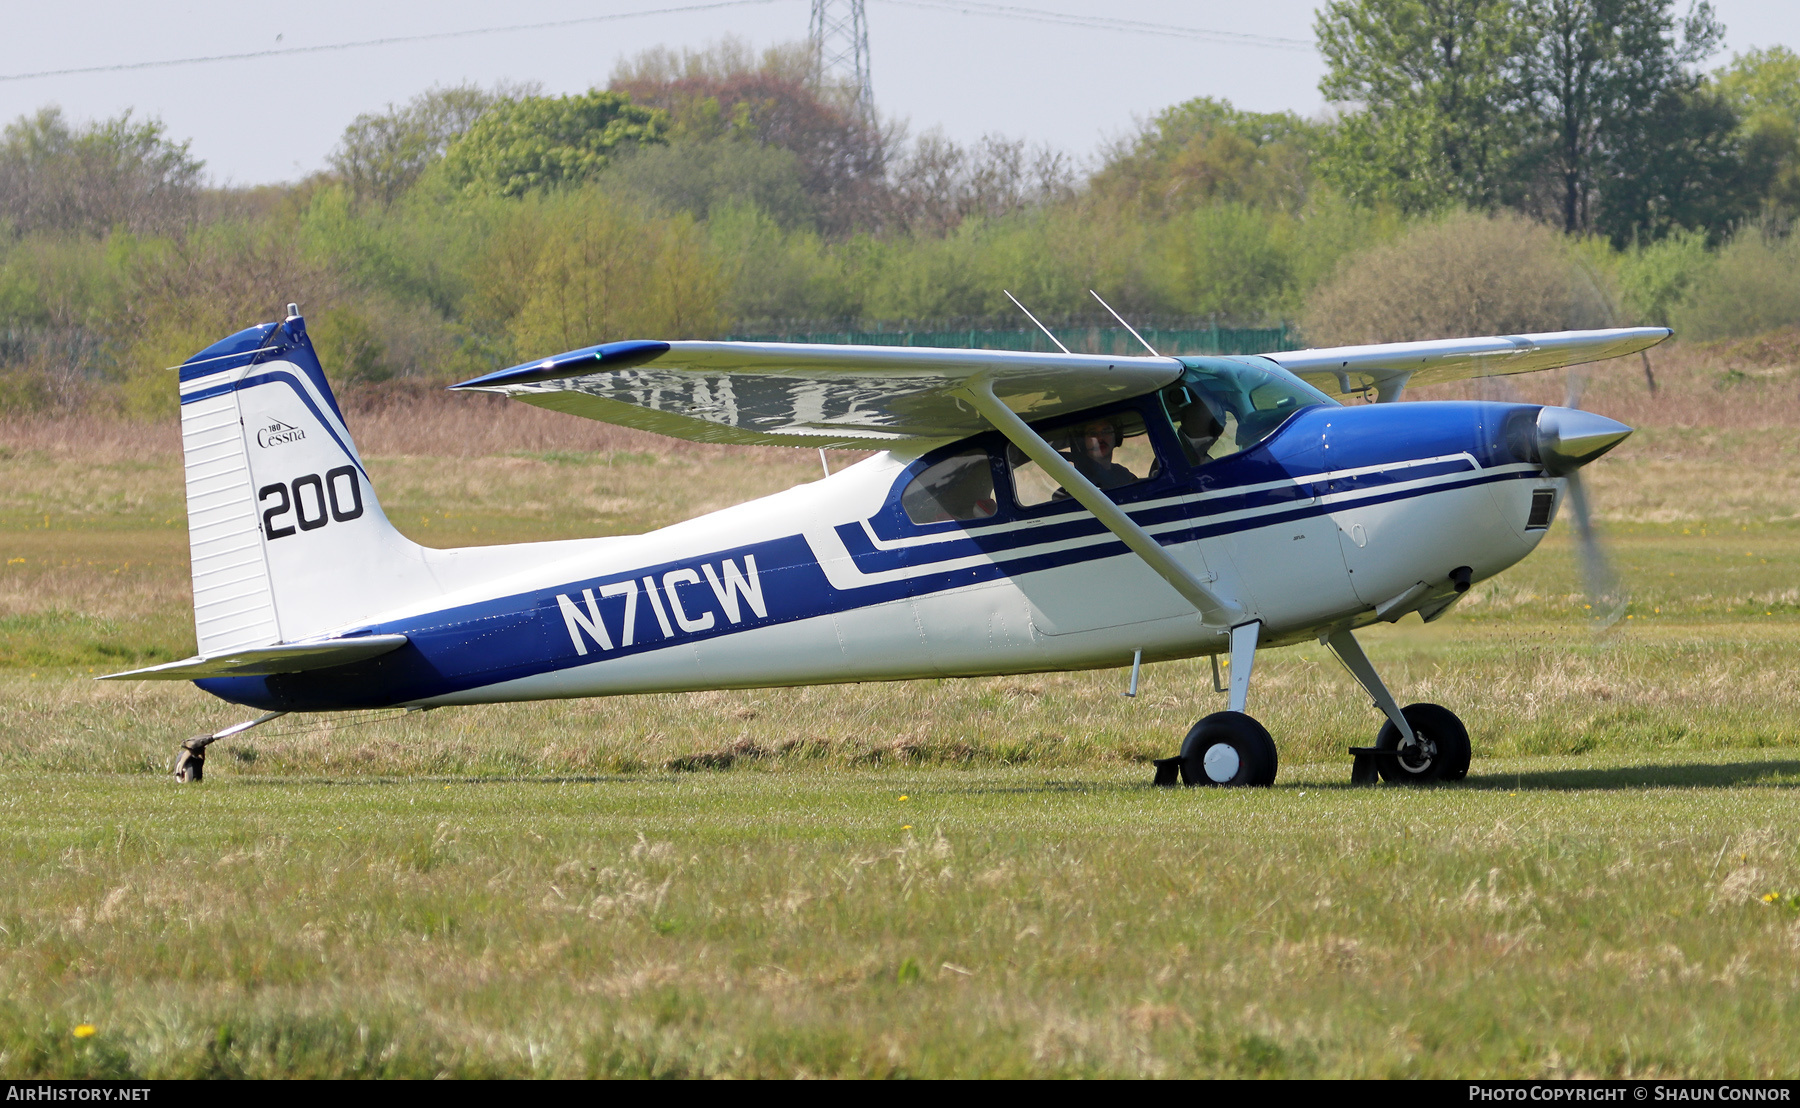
(84, 1030)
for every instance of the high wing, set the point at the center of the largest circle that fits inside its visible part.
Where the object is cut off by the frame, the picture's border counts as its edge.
(801, 394)
(261, 661)
(798, 394)
(1353, 370)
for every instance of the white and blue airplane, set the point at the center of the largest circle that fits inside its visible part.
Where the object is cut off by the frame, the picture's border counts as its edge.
(1023, 512)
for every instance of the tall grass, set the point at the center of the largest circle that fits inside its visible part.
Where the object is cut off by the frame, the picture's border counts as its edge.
(1563, 918)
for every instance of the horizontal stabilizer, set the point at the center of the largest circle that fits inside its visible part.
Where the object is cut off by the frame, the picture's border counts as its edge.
(262, 661)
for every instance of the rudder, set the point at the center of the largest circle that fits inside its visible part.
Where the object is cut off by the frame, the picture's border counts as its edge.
(287, 538)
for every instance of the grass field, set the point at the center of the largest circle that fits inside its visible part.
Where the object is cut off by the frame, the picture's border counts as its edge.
(926, 878)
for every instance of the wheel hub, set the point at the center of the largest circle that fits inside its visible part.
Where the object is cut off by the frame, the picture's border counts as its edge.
(1418, 756)
(1221, 762)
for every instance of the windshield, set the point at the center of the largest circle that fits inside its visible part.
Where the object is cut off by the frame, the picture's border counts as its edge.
(1223, 405)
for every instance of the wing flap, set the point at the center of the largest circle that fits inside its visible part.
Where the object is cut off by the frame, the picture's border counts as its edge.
(1350, 370)
(264, 661)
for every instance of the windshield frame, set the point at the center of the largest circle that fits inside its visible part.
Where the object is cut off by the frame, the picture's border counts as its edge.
(1201, 381)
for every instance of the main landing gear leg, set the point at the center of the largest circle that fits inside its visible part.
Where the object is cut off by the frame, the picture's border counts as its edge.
(1419, 743)
(1227, 748)
(190, 760)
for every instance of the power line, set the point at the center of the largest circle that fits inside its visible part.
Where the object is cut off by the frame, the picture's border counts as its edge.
(1103, 23)
(962, 7)
(393, 41)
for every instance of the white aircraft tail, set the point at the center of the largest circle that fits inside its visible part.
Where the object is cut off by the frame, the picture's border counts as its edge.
(288, 539)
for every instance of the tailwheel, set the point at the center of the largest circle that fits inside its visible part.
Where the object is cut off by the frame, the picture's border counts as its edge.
(1441, 754)
(190, 760)
(1228, 748)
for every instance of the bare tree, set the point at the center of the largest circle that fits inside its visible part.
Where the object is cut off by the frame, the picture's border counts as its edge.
(727, 91)
(938, 184)
(120, 172)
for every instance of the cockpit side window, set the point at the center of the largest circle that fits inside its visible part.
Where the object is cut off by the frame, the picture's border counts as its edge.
(1111, 450)
(960, 487)
(1221, 406)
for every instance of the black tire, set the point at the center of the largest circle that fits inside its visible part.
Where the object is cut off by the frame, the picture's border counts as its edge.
(1241, 749)
(1446, 747)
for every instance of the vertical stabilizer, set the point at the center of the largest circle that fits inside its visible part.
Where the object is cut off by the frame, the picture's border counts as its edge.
(287, 537)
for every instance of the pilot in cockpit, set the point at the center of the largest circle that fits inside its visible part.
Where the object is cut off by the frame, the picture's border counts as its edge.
(1092, 454)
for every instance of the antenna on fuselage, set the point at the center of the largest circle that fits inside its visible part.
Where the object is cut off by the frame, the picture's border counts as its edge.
(1034, 319)
(1124, 324)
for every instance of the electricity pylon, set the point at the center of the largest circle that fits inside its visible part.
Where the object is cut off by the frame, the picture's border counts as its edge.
(839, 37)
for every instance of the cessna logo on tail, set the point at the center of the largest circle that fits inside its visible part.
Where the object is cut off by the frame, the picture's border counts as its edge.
(675, 595)
(278, 433)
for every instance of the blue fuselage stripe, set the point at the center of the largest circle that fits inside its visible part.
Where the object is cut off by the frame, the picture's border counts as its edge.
(526, 634)
(283, 377)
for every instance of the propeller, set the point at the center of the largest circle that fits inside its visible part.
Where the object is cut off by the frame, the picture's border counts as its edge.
(1569, 438)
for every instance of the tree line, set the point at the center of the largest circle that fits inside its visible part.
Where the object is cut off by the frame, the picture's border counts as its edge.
(1488, 165)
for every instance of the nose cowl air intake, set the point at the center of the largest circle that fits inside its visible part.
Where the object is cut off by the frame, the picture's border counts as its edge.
(1569, 438)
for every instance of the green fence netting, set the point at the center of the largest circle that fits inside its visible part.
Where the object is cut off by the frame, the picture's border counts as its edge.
(1082, 340)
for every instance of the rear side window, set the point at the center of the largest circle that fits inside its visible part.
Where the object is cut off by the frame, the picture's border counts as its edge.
(961, 487)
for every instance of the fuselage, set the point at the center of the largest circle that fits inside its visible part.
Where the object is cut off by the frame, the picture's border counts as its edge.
(1339, 517)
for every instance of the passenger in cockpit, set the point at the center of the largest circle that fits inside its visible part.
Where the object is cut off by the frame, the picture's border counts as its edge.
(1200, 429)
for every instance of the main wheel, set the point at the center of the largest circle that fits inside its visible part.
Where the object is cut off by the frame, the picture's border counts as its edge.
(1441, 754)
(1228, 748)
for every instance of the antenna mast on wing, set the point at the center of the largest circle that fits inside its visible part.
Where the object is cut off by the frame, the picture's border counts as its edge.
(1034, 319)
(1124, 324)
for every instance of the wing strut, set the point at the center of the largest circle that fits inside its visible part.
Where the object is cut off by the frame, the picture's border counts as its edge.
(1213, 609)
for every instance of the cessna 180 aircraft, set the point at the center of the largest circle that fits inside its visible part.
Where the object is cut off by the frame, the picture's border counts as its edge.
(1023, 512)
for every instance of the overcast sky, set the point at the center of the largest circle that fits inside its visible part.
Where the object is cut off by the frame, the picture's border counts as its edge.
(276, 118)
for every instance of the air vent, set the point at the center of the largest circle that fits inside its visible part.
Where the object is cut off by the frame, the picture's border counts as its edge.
(1543, 501)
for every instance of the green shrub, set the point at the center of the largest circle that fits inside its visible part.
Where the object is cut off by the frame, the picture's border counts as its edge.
(703, 178)
(546, 142)
(25, 390)
(1753, 287)
(579, 268)
(1460, 275)
(1227, 260)
(1653, 279)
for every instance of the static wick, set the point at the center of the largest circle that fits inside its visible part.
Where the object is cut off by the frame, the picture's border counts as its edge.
(1137, 662)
